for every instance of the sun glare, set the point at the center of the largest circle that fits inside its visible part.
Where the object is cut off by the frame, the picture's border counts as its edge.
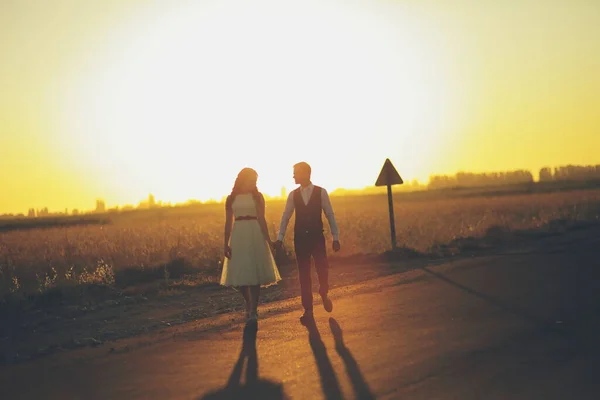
(181, 97)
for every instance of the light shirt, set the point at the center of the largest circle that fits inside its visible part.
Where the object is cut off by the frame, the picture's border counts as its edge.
(306, 192)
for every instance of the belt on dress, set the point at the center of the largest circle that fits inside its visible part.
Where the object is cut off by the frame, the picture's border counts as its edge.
(245, 218)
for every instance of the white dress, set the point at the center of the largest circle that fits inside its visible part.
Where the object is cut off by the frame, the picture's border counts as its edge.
(251, 262)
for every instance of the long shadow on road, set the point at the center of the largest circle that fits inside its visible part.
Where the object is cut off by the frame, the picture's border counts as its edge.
(575, 335)
(565, 349)
(546, 325)
(329, 382)
(254, 387)
(361, 388)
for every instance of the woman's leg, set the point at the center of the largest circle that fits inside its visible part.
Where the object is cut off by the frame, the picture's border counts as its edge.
(246, 293)
(254, 296)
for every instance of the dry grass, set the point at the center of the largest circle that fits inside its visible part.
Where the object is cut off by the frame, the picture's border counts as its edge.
(169, 243)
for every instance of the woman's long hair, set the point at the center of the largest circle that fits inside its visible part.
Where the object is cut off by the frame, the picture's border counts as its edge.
(245, 175)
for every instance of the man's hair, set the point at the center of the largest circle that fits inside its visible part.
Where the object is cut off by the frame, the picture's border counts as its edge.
(303, 166)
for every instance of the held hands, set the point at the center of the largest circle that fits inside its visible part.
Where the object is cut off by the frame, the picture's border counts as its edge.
(276, 246)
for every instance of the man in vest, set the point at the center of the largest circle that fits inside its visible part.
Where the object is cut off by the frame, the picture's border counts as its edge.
(309, 201)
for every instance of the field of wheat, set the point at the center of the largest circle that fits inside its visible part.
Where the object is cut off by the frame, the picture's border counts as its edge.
(151, 242)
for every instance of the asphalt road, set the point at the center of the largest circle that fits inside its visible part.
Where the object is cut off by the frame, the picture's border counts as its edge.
(520, 326)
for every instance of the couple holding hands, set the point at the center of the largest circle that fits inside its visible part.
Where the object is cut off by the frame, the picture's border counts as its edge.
(249, 263)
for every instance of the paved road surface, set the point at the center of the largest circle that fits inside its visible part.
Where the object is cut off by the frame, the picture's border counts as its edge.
(496, 327)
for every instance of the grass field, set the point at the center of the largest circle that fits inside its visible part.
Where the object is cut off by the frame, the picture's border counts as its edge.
(171, 243)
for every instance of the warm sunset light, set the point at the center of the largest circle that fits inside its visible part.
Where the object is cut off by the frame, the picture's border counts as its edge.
(184, 97)
(116, 102)
(300, 199)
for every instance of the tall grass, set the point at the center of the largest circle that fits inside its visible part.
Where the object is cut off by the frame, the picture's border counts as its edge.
(152, 243)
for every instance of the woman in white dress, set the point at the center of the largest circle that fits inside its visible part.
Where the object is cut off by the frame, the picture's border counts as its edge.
(249, 263)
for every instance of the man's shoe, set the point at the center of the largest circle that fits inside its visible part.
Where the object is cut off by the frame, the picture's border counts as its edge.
(327, 304)
(307, 318)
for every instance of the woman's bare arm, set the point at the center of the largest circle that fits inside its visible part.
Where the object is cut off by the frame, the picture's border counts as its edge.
(228, 226)
(261, 218)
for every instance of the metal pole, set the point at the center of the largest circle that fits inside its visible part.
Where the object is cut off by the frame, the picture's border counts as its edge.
(392, 224)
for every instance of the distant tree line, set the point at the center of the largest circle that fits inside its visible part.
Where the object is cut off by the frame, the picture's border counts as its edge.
(546, 174)
(461, 179)
(470, 179)
(570, 173)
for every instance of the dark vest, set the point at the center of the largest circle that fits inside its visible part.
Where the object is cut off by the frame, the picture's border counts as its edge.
(308, 216)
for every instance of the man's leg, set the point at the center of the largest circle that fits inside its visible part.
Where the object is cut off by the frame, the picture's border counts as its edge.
(322, 264)
(302, 248)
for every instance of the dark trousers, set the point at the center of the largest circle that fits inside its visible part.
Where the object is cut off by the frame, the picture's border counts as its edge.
(307, 246)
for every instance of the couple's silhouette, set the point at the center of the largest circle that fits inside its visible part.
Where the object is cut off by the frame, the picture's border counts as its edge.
(249, 265)
(248, 249)
(256, 388)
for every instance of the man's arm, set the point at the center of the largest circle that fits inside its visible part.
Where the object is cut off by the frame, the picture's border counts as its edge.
(328, 209)
(285, 218)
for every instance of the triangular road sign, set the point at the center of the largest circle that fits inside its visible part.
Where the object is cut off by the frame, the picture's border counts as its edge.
(388, 175)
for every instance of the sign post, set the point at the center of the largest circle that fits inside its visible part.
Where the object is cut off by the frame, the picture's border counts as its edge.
(388, 177)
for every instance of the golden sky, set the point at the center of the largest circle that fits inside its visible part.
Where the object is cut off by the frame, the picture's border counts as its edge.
(118, 99)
